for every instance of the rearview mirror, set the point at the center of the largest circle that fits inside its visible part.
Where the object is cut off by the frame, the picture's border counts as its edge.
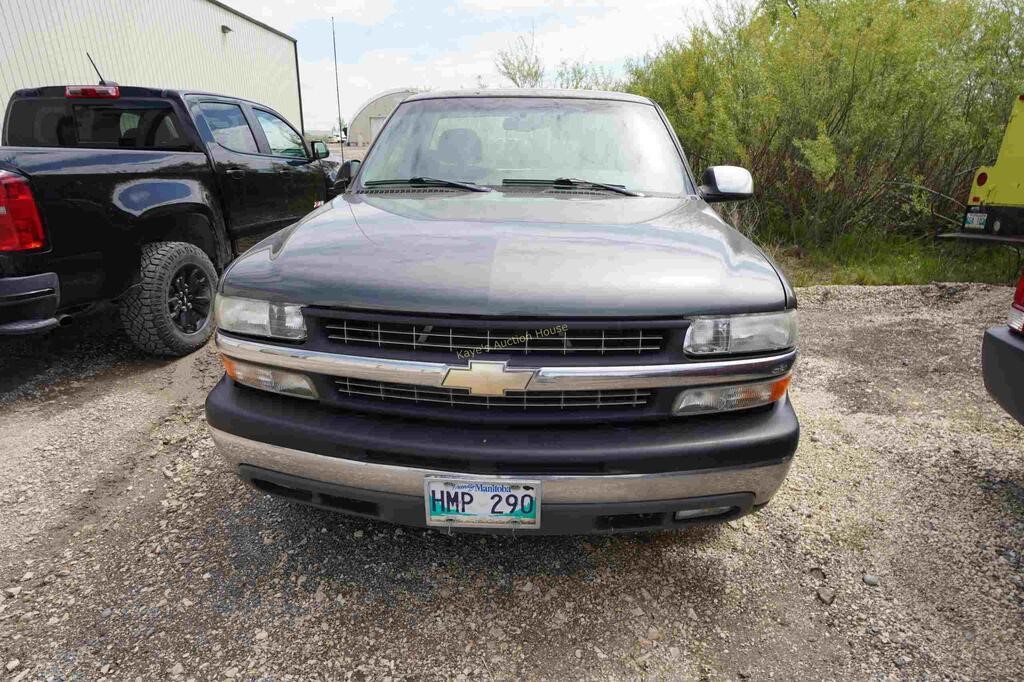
(348, 170)
(320, 150)
(726, 183)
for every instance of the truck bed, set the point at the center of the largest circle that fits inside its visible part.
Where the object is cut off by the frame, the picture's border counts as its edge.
(88, 200)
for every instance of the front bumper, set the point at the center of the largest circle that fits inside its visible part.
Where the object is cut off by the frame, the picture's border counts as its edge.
(1002, 361)
(596, 477)
(28, 305)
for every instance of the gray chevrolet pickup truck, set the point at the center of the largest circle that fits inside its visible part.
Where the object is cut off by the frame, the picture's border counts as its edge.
(522, 315)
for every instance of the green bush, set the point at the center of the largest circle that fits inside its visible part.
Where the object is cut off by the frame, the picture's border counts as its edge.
(872, 257)
(852, 115)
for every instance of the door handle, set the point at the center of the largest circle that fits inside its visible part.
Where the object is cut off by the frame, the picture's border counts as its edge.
(235, 173)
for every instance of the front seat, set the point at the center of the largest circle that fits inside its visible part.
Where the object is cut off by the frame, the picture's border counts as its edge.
(106, 129)
(459, 150)
(66, 135)
(129, 138)
(49, 127)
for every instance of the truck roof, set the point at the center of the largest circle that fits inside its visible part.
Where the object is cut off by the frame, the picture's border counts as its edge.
(126, 91)
(532, 92)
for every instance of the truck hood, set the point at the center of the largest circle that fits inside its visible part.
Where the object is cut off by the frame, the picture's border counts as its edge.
(512, 254)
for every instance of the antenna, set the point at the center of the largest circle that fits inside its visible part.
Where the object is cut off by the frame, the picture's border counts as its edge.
(96, 68)
(337, 88)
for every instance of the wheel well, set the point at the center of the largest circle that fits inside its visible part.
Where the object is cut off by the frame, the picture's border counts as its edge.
(193, 228)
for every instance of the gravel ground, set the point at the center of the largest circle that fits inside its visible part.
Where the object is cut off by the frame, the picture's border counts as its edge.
(348, 153)
(893, 551)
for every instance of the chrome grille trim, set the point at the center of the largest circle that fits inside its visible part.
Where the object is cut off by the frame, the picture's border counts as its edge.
(550, 378)
(513, 400)
(403, 336)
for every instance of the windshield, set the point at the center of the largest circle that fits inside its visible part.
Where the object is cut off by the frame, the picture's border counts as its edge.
(489, 140)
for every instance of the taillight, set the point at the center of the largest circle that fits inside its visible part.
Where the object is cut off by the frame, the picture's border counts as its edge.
(982, 179)
(1016, 319)
(93, 91)
(20, 226)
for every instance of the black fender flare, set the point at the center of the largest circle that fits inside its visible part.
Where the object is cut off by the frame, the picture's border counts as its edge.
(182, 207)
(197, 224)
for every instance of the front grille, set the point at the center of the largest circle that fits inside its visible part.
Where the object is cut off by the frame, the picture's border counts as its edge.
(460, 398)
(539, 341)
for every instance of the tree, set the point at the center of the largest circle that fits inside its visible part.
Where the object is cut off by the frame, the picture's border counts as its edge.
(520, 63)
(577, 75)
(853, 115)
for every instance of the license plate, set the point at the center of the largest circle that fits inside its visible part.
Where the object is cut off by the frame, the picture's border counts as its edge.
(465, 503)
(975, 221)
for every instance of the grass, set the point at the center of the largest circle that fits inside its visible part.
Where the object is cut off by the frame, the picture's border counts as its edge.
(885, 259)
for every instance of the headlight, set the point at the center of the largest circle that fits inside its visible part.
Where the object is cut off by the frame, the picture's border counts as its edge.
(728, 398)
(741, 333)
(260, 318)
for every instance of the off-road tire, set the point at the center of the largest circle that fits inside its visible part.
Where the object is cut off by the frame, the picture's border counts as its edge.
(145, 311)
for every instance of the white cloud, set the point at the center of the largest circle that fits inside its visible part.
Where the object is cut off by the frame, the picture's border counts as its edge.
(598, 31)
(377, 71)
(601, 32)
(285, 14)
(506, 6)
(618, 31)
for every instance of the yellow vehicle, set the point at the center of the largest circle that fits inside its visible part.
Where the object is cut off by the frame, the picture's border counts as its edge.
(995, 206)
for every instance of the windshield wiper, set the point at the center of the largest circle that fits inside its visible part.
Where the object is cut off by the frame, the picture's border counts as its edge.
(437, 182)
(573, 182)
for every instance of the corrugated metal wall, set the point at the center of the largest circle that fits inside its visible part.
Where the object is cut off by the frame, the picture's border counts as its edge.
(158, 43)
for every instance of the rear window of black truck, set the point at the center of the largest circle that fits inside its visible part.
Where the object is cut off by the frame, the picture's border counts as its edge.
(138, 124)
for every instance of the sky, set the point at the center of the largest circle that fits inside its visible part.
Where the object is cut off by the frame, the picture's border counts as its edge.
(451, 44)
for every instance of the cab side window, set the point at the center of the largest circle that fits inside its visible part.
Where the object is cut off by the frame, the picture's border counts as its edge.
(229, 127)
(281, 137)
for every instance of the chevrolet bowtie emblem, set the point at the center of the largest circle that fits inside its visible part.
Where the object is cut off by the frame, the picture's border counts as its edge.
(487, 378)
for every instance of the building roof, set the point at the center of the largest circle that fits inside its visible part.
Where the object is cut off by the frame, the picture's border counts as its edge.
(532, 92)
(380, 95)
(250, 19)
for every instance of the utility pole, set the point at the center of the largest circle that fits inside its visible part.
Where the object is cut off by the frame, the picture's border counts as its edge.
(337, 89)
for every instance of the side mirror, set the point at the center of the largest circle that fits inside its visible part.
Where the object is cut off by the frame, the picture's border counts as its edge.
(726, 183)
(348, 170)
(320, 150)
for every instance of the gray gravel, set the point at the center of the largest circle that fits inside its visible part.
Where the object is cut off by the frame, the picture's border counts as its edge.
(893, 551)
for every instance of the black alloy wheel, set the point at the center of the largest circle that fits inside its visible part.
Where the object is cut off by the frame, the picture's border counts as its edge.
(189, 297)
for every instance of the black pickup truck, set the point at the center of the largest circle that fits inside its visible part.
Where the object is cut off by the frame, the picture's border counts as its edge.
(141, 196)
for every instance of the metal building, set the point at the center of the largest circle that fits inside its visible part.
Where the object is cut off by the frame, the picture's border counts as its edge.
(182, 44)
(371, 116)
